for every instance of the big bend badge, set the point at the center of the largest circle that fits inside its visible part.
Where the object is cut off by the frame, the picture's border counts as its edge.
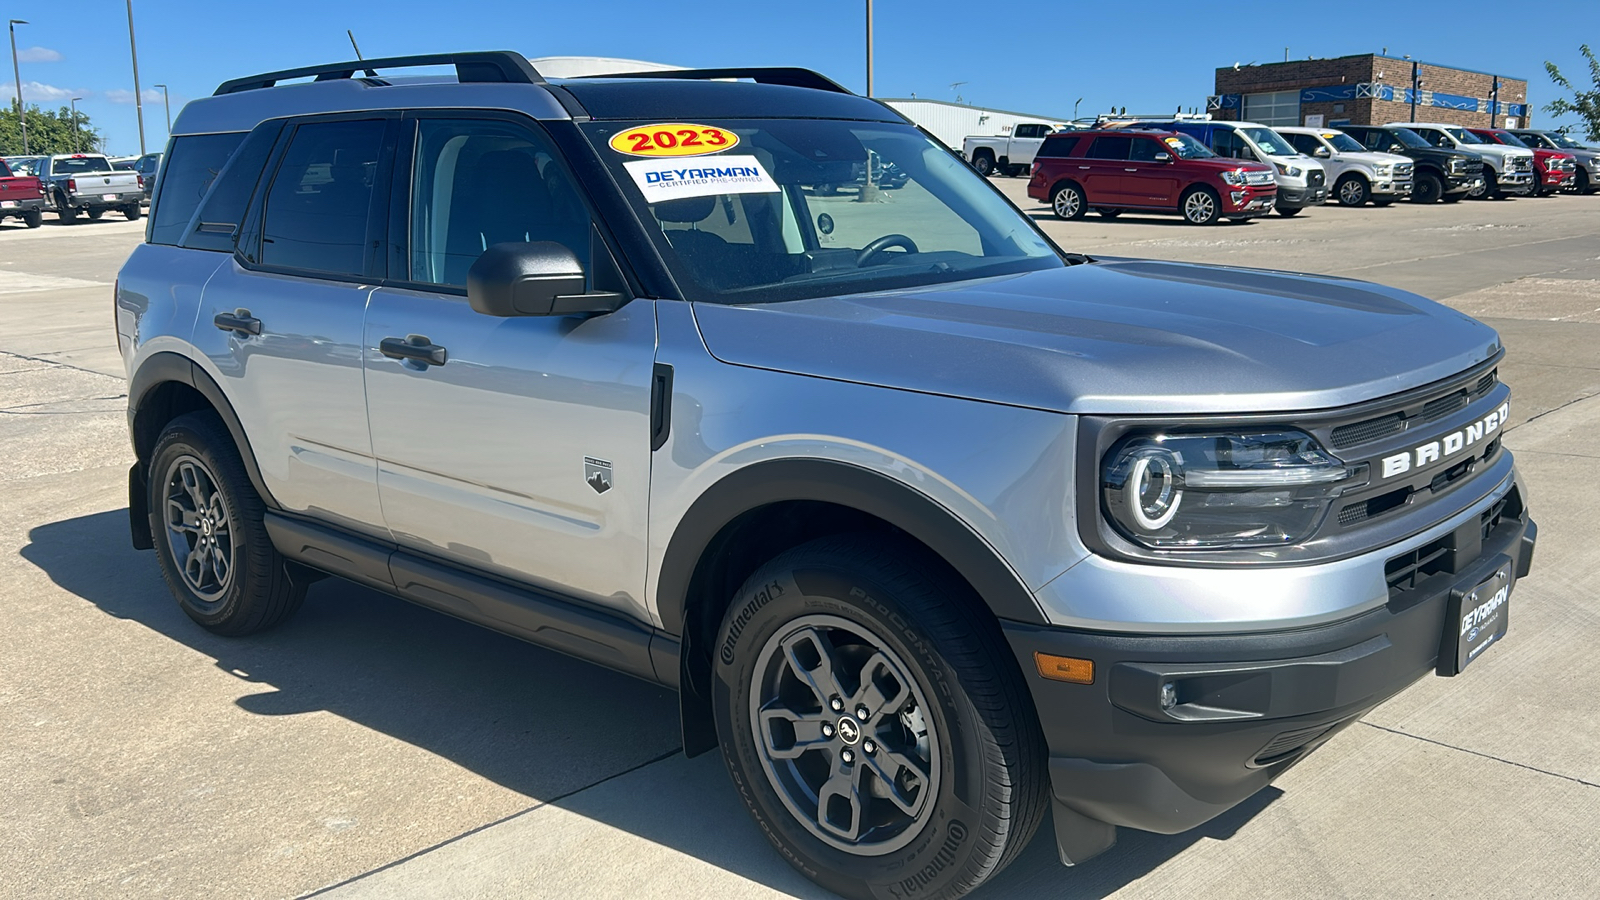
(597, 472)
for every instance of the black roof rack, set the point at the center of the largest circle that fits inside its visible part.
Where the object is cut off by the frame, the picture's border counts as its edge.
(785, 75)
(494, 67)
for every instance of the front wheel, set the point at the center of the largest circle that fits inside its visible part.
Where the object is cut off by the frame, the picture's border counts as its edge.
(1109, 213)
(873, 723)
(984, 164)
(1289, 212)
(1200, 206)
(1351, 190)
(207, 521)
(1428, 188)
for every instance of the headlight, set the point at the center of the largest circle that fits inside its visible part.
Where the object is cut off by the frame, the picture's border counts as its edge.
(1291, 171)
(1234, 177)
(1382, 171)
(1220, 490)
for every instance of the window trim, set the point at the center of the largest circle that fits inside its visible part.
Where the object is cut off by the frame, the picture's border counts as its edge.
(250, 229)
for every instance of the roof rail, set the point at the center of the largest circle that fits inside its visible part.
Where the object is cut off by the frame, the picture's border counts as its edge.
(494, 66)
(785, 75)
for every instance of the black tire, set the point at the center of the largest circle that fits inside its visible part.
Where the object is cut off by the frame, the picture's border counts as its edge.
(879, 604)
(1016, 171)
(33, 218)
(1454, 198)
(1068, 202)
(1352, 190)
(1382, 202)
(984, 163)
(1580, 182)
(68, 214)
(1490, 189)
(1427, 189)
(1196, 211)
(1108, 213)
(132, 211)
(1289, 212)
(95, 214)
(195, 473)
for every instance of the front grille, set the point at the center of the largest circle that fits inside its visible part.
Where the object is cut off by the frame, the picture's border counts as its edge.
(1405, 571)
(1408, 571)
(1402, 170)
(1368, 430)
(1522, 164)
(1316, 179)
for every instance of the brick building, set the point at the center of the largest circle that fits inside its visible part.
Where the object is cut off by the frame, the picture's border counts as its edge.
(1367, 90)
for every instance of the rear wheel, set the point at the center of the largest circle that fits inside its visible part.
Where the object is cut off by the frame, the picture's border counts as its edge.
(872, 723)
(132, 211)
(1109, 213)
(33, 218)
(1200, 206)
(1351, 191)
(95, 214)
(1068, 202)
(68, 214)
(1428, 188)
(1454, 198)
(1289, 212)
(984, 163)
(207, 521)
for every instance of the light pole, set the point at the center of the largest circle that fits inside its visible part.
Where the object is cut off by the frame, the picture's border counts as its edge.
(138, 101)
(166, 100)
(75, 147)
(869, 48)
(16, 75)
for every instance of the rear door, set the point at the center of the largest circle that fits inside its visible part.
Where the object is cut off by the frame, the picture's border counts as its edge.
(1148, 179)
(1104, 166)
(281, 324)
(526, 453)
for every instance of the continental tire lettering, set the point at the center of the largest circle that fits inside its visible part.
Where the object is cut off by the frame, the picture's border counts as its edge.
(919, 882)
(762, 597)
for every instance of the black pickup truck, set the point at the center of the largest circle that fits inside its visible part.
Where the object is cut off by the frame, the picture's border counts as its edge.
(1440, 174)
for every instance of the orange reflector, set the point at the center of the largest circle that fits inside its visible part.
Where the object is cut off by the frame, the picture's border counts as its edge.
(1065, 668)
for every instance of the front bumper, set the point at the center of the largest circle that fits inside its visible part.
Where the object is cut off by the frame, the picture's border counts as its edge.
(1514, 182)
(1247, 706)
(1246, 200)
(1296, 198)
(1396, 187)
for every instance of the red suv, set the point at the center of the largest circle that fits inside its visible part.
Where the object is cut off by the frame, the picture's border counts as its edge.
(1552, 169)
(1149, 171)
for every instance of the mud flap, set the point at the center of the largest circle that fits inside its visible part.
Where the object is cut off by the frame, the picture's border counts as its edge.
(1078, 837)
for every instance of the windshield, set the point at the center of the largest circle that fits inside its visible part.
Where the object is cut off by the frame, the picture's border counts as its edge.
(1342, 142)
(1564, 142)
(1187, 147)
(1465, 136)
(76, 165)
(1509, 139)
(1409, 138)
(794, 208)
(1270, 142)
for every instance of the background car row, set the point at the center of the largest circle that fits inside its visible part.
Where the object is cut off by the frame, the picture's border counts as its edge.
(75, 184)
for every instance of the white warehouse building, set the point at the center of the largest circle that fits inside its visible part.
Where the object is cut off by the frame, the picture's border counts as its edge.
(950, 122)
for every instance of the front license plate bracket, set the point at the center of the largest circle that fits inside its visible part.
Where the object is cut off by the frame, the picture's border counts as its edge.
(1476, 617)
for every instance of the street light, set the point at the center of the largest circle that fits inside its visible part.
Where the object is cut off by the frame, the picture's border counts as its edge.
(16, 75)
(167, 100)
(138, 101)
(75, 148)
(869, 47)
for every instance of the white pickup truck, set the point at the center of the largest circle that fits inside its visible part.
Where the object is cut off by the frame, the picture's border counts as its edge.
(1007, 154)
(75, 183)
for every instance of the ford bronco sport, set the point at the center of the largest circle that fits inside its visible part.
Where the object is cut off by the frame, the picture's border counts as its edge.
(935, 528)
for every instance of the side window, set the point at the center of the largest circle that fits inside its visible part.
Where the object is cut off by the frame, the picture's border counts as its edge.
(1145, 149)
(1029, 131)
(194, 164)
(479, 183)
(1361, 137)
(318, 207)
(1436, 138)
(217, 225)
(1057, 146)
(1303, 143)
(1225, 143)
(1108, 147)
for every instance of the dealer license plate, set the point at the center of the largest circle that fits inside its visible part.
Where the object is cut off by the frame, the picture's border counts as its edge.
(7, 204)
(108, 196)
(1476, 619)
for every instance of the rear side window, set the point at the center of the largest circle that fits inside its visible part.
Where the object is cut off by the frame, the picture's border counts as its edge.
(1108, 147)
(192, 166)
(224, 207)
(1058, 145)
(317, 210)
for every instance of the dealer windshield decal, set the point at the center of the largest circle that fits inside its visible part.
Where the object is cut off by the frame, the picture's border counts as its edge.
(673, 139)
(661, 180)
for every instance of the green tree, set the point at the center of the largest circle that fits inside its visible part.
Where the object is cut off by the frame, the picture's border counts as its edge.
(48, 132)
(1584, 104)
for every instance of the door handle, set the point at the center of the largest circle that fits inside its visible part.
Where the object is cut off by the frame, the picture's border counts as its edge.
(239, 321)
(414, 348)
(1130, 170)
(1083, 167)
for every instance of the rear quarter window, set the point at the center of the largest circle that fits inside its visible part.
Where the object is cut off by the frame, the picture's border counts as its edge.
(192, 165)
(1058, 146)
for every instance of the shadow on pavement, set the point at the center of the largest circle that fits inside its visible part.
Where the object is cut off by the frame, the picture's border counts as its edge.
(534, 721)
(1131, 218)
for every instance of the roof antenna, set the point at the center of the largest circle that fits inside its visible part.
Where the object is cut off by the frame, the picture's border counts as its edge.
(352, 35)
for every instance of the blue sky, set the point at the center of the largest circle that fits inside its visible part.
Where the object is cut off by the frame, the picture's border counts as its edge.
(1032, 57)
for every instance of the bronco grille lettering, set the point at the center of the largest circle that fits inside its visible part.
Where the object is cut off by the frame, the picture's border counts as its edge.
(1447, 446)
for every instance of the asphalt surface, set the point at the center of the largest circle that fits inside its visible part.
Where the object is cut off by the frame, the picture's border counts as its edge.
(369, 748)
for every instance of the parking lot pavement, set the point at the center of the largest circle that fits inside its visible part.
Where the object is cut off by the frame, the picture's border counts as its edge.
(379, 750)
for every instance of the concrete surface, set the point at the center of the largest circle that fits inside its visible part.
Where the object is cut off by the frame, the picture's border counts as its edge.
(369, 748)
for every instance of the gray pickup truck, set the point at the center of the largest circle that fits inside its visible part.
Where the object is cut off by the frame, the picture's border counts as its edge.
(936, 528)
(88, 184)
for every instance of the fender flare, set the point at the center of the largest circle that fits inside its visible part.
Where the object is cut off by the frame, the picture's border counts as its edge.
(167, 366)
(895, 502)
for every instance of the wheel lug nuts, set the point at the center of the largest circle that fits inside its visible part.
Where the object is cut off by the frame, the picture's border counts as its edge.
(827, 731)
(847, 756)
(861, 713)
(869, 747)
(837, 704)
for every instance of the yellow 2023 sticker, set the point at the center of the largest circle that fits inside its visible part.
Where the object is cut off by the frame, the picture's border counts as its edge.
(673, 139)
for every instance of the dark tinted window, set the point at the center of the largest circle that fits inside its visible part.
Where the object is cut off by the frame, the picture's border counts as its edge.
(480, 183)
(317, 208)
(1145, 149)
(194, 165)
(1031, 131)
(224, 207)
(1224, 142)
(1058, 145)
(1109, 148)
(1304, 143)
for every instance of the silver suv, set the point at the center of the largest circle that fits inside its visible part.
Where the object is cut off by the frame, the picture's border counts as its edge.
(935, 527)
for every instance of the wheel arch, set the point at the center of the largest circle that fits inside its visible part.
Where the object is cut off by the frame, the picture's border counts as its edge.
(168, 385)
(754, 514)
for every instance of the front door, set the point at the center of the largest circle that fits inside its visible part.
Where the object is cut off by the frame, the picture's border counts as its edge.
(1149, 180)
(526, 452)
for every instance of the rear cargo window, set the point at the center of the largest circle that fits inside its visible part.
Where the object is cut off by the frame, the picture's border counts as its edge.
(223, 211)
(194, 164)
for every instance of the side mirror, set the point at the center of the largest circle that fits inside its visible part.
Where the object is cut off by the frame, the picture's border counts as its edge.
(1163, 157)
(541, 278)
(1322, 153)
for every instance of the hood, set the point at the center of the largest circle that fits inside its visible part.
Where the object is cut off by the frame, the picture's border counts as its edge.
(1500, 151)
(1374, 159)
(1116, 337)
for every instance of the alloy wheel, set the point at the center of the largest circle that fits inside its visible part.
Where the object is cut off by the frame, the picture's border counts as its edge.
(1067, 203)
(1352, 193)
(199, 529)
(842, 735)
(1199, 207)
